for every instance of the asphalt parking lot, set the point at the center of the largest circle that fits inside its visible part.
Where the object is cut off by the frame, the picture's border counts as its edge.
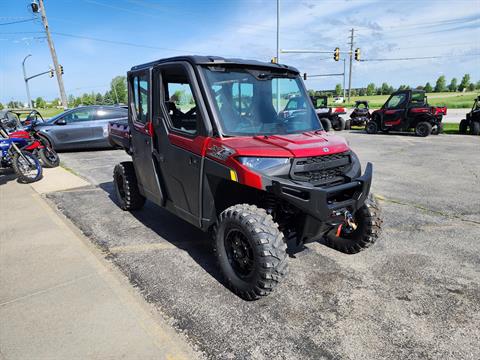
(413, 295)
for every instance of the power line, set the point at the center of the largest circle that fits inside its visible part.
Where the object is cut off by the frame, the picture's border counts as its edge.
(18, 21)
(420, 58)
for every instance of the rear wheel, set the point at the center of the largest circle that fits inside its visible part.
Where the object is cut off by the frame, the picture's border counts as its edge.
(463, 126)
(371, 127)
(475, 128)
(49, 157)
(369, 225)
(251, 251)
(348, 124)
(423, 129)
(126, 187)
(27, 167)
(326, 123)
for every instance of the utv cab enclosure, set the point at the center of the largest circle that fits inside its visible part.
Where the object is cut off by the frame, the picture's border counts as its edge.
(472, 122)
(406, 110)
(329, 116)
(212, 143)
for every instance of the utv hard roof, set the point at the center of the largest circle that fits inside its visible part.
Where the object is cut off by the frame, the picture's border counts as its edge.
(216, 60)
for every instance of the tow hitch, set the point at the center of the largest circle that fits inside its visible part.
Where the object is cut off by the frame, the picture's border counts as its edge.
(348, 225)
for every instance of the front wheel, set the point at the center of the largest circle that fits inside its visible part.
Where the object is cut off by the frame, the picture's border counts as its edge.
(371, 127)
(49, 157)
(369, 225)
(27, 167)
(423, 129)
(251, 251)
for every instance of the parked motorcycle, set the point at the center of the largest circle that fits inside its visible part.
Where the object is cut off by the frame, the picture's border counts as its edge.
(25, 164)
(37, 145)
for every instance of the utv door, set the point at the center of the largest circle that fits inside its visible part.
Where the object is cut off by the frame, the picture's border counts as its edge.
(395, 110)
(180, 131)
(139, 120)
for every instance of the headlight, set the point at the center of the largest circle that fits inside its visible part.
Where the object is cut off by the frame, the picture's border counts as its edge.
(263, 163)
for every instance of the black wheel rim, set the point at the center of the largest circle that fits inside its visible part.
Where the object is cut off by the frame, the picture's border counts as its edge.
(422, 130)
(239, 253)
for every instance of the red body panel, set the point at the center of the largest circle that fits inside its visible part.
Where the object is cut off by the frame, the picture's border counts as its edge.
(196, 145)
(22, 134)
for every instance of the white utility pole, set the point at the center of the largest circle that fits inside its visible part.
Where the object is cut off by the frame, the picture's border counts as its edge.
(56, 65)
(351, 62)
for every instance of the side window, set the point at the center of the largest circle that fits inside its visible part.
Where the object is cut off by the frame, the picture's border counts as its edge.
(292, 104)
(140, 97)
(179, 100)
(104, 114)
(396, 101)
(79, 115)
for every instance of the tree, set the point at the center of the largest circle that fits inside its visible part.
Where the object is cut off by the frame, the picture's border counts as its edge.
(1, 106)
(363, 92)
(453, 85)
(71, 101)
(441, 84)
(471, 87)
(477, 86)
(15, 104)
(402, 87)
(428, 88)
(371, 89)
(338, 89)
(385, 89)
(465, 82)
(118, 88)
(40, 103)
(99, 99)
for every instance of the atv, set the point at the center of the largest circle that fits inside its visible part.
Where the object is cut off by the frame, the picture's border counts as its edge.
(472, 122)
(360, 114)
(406, 110)
(211, 142)
(329, 116)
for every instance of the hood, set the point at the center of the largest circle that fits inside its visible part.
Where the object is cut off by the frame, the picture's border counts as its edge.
(290, 145)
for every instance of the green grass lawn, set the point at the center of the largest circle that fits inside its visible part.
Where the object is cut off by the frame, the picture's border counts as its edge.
(47, 113)
(451, 100)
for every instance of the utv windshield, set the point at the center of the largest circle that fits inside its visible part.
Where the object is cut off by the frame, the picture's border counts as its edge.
(258, 102)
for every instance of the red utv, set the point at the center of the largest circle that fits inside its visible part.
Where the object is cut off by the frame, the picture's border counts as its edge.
(211, 143)
(406, 110)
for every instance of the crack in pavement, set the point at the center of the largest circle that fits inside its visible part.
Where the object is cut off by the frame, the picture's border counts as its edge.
(423, 208)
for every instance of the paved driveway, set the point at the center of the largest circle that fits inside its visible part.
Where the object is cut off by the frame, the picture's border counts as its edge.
(415, 294)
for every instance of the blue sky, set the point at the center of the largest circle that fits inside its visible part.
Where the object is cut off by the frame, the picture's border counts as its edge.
(385, 29)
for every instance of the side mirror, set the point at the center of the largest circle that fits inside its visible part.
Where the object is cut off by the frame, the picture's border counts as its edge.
(61, 121)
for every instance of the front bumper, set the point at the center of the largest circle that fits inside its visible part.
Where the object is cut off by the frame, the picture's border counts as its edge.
(323, 203)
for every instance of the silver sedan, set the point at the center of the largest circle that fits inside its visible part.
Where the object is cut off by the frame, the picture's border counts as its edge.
(85, 127)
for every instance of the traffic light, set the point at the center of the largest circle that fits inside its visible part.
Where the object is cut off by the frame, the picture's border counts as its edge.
(357, 54)
(34, 6)
(61, 69)
(336, 54)
(304, 76)
(51, 73)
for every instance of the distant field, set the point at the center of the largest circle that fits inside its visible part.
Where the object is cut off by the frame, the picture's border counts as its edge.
(451, 100)
(47, 113)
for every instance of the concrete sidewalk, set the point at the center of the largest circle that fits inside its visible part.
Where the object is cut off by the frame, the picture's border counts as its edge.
(59, 299)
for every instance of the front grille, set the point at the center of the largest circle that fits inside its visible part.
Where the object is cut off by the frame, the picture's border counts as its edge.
(322, 170)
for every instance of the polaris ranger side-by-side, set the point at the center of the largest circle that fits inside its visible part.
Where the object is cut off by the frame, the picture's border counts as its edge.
(405, 110)
(210, 143)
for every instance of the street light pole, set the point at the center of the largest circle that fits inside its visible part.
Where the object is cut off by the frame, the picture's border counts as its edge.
(351, 63)
(344, 80)
(278, 52)
(26, 81)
